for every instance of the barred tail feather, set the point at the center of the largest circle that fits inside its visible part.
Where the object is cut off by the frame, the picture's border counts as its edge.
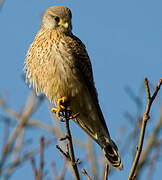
(111, 153)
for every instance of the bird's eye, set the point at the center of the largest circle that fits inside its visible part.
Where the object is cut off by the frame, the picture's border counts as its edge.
(57, 19)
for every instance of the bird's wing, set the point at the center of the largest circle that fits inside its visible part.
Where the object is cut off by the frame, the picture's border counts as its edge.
(84, 67)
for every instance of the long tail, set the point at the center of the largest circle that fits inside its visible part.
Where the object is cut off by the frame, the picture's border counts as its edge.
(111, 153)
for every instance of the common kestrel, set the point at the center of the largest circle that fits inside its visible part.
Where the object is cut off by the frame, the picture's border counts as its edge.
(58, 65)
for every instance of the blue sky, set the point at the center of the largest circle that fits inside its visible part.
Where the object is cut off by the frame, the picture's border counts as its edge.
(124, 42)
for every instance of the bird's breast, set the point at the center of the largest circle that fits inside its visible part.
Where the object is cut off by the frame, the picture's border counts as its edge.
(50, 67)
(65, 81)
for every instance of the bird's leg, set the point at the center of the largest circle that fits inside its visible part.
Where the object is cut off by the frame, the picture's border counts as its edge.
(61, 105)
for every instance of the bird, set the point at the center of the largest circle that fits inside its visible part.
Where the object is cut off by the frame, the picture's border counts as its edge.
(58, 65)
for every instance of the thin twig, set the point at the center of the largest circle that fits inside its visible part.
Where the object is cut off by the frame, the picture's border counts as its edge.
(54, 173)
(65, 115)
(62, 172)
(153, 161)
(33, 166)
(92, 158)
(72, 156)
(152, 140)
(6, 130)
(41, 165)
(144, 122)
(63, 153)
(38, 172)
(86, 175)
(9, 169)
(23, 119)
(106, 172)
(1, 4)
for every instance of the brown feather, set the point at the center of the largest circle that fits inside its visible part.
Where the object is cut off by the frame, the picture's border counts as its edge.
(58, 65)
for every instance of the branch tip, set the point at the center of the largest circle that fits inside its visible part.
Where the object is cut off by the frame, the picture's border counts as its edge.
(85, 173)
(145, 118)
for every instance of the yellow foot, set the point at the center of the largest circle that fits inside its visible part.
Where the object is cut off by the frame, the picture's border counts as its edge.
(60, 106)
(61, 102)
(57, 112)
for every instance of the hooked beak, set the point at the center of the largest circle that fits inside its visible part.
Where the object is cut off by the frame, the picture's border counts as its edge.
(63, 23)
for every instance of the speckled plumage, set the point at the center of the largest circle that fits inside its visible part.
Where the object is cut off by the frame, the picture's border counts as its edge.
(58, 65)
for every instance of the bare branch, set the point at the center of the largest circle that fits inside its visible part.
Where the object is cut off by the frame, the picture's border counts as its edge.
(33, 166)
(64, 115)
(151, 142)
(23, 118)
(152, 163)
(63, 153)
(106, 172)
(9, 169)
(92, 158)
(42, 145)
(54, 173)
(86, 175)
(38, 172)
(144, 122)
(72, 156)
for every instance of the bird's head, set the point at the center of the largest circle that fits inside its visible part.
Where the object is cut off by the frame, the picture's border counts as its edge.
(57, 17)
